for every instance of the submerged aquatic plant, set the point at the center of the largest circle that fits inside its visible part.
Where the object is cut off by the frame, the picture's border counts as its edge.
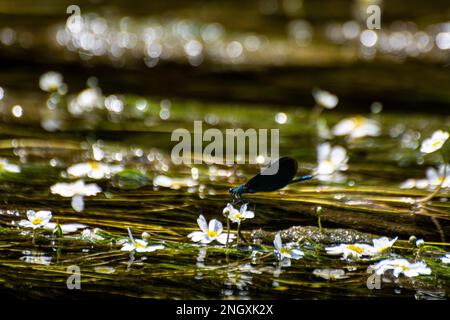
(210, 232)
(401, 266)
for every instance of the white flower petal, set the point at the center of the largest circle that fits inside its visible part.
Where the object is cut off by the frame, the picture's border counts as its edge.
(151, 248)
(128, 247)
(202, 223)
(26, 224)
(77, 203)
(79, 170)
(408, 184)
(215, 226)
(325, 98)
(343, 128)
(277, 242)
(222, 238)
(249, 214)
(323, 151)
(198, 236)
(338, 155)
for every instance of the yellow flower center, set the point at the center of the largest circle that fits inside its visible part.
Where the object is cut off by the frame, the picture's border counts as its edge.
(212, 234)
(237, 216)
(328, 163)
(285, 251)
(404, 268)
(355, 248)
(36, 221)
(139, 245)
(435, 143)
(358, 121)
(94, 165)
(2, 166)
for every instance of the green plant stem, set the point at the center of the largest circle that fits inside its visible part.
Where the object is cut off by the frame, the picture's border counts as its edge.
(319, 222)
(131, 236)
(228, 232)
(238, 231)
(240, 235)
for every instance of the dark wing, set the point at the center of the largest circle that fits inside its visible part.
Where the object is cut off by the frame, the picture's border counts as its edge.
(287, 169)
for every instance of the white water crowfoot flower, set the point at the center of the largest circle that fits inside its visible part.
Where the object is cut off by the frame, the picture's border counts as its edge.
(382, 244)
(446, 258)
(430, 145)
(77, 191)
(439, 177)
(359, 250)
(330, 159)
(210, 232)
(434, 178)
(434, 143)
(94, 170)
(351, 250)
(287, 251)
(65, 228)
(325, 99)
(92, 235)
(139, 245)
(400, 266)
(357, 127)
(78, 187)
(237, 216)
(8, 167)
(50, 81)
(36, 219)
